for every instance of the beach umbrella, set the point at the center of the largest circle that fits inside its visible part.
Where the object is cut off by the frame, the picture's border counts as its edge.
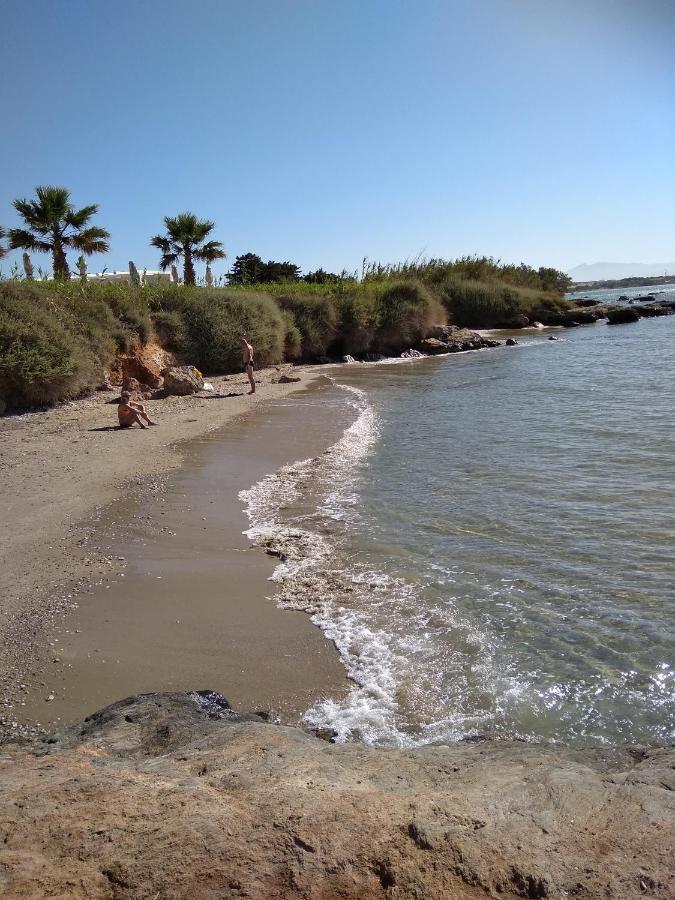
(174, 275)
(134, 277)
(209, 275)
(27, 266)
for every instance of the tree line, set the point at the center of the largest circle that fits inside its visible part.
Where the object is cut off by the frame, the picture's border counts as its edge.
(54, 226)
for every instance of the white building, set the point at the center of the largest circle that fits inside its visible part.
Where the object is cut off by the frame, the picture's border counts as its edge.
(147, 276)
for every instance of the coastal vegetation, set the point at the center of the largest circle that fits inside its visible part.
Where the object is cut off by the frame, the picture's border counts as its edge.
(58, 335)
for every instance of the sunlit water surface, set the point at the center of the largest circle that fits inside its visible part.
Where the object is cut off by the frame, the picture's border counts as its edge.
(490, 546)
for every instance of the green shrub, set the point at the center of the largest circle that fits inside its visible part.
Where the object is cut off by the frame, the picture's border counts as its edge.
(315, 318)
(357, 321)
(170, 330)
(292, 337)
(129, 305)
(215, 319)
(406, 312)
(476, 304)
(45, 353)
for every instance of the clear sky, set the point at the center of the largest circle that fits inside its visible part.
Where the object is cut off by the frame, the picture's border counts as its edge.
(322, 132)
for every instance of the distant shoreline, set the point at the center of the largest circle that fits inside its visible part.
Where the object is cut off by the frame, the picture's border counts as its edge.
(615, 284)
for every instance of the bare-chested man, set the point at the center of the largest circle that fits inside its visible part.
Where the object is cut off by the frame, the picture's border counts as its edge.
(247, 353)
(129, 412)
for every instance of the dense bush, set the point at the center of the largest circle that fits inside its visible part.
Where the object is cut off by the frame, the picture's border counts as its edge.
(214, 320)
(56, 337)
(170, 330)
(315, 318)
(52, 346)
(406, 311)
(476, 304)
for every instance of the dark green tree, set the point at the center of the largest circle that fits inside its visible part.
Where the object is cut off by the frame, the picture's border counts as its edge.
(186, 237)
(3, 250)
(553, 280)
(321, 277)
(250, 269)
(246, 269)
(53, 225)
(281, 272)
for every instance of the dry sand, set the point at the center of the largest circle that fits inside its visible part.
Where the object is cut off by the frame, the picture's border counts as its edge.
(186, 607)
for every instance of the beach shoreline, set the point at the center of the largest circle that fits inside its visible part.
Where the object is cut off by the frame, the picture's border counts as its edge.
(58, 497)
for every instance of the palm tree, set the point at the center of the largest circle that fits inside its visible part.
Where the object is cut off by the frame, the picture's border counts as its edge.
(3, 250)
(54, 224)
(185, 235)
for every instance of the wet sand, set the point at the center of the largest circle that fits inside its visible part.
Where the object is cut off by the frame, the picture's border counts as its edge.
(175, 597)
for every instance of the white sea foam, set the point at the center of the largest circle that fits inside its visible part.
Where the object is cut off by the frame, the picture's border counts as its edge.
(379, 629)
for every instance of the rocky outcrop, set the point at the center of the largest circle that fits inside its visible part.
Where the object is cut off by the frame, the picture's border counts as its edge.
(142, 364)
(176, 796)
(620, 314)
(287, 379)
(661, 308)
(519, 321)
(433, 346)
(452, 339)
(183, 380)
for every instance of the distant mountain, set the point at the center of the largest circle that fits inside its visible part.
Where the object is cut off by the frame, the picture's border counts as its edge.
(604, 271)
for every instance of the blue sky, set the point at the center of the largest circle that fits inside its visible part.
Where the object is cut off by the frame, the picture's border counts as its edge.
(322, 132)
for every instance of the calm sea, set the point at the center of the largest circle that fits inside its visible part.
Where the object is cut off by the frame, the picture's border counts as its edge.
(491, 543)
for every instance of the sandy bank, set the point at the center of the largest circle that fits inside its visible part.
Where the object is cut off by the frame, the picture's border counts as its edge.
(65, 472)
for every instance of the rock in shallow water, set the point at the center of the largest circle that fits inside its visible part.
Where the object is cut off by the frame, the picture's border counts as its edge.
(177, 796)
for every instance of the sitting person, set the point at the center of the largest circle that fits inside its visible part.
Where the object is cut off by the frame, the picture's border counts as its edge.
(129, 412)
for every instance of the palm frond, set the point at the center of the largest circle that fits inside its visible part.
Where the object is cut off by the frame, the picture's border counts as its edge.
(21, 239)
(168, 260)
(162, 243)
(90, 240)
(187, 228)
(33, 215)
(210, 251)
(53, 204)
(77, 218)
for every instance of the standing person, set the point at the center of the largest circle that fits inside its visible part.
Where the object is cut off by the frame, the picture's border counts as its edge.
(247, 352)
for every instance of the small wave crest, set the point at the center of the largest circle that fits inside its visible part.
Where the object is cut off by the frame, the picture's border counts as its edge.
(303, 513)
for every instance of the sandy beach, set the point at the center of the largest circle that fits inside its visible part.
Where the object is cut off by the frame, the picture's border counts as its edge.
(95, 603)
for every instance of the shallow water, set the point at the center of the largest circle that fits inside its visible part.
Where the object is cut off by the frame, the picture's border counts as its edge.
(490, 545)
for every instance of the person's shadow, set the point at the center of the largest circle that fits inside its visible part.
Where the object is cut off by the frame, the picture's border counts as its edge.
(107, 428)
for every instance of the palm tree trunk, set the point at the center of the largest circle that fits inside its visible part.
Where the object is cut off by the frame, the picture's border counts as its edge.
(61, 269)
(188, 269)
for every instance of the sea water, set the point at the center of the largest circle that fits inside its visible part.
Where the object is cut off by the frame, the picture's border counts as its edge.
(490, 544)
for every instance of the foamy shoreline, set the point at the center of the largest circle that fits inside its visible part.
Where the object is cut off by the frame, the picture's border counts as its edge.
(61, 469)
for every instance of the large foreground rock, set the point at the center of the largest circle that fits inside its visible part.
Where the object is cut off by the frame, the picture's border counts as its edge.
(175, 796)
